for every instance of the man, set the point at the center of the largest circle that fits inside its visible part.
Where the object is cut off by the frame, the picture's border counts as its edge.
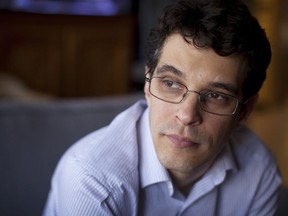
(185, 151)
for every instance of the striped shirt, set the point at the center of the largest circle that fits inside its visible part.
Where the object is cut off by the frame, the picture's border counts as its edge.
(115, 171)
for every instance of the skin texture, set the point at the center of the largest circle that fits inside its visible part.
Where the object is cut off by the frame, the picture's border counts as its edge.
(187, 139)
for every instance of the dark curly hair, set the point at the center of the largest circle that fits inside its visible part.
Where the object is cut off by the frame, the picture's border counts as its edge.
(226, 26)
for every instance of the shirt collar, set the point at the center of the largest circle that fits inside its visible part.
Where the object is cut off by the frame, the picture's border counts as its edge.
(225, 162)
(151, 170)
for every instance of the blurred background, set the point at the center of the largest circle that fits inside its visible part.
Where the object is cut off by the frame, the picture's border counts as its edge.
(57, 49)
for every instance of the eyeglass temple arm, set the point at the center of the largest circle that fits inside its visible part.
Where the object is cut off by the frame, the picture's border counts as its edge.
(147, 79)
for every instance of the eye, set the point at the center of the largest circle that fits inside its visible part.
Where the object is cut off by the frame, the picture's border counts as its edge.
(214, 95)
(171, 83)
(217, 97)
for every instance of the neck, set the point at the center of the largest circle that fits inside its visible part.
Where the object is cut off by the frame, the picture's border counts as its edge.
(185, 181)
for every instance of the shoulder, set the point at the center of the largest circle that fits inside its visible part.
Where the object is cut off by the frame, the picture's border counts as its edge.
(100, 171)
(256, 180)
(108, 156)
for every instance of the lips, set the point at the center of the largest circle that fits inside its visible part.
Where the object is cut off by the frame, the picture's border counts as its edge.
(182, 142)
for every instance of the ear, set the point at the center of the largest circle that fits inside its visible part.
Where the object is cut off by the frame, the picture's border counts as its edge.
(146, 86)
(248, 108)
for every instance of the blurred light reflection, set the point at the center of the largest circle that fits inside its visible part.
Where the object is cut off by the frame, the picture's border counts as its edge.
(75, 7)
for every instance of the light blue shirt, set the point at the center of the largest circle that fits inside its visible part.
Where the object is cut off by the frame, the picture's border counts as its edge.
(115, 171)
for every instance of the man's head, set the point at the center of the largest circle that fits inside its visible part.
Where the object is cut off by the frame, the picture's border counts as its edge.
(225, 26)
(205, 59)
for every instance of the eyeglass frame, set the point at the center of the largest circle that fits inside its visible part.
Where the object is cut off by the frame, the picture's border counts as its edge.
(200, 94)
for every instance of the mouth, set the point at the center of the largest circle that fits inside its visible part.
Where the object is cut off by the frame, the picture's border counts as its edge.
(182, 142)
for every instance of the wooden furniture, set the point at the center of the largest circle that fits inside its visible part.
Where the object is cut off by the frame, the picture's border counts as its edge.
(68, 56)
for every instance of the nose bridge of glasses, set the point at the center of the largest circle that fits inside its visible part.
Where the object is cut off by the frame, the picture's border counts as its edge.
(191, 91)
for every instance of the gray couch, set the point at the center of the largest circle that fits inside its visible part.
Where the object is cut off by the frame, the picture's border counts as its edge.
(33, 136)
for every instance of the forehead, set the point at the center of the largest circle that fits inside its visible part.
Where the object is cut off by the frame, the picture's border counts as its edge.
(201, 66)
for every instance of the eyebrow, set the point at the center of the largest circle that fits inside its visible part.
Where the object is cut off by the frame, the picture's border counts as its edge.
(169, 68)
(225, 86)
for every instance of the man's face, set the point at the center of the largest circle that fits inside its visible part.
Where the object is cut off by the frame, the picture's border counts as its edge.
(186, 137)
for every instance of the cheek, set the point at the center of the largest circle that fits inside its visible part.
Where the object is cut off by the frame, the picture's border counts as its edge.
(159, 111)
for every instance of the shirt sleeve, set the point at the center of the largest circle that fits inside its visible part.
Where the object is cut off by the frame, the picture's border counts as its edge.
(266, 197)
(75, 191)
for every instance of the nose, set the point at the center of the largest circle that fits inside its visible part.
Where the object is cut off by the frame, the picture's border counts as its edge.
(189, 111)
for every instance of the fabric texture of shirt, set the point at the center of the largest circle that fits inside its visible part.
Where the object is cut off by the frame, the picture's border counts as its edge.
(115, 171)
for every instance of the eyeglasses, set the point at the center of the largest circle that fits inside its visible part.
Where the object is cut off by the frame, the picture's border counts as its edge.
(168, 90)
